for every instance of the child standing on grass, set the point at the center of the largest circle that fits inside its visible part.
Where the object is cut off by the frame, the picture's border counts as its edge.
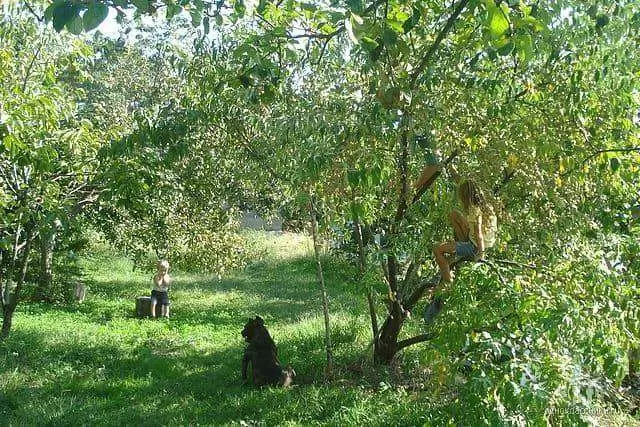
(160, 291)
(474, 229)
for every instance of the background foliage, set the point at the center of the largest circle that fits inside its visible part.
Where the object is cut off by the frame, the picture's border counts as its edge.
(157, 138)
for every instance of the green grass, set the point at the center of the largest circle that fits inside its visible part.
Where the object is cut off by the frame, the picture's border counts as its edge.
(96, 364)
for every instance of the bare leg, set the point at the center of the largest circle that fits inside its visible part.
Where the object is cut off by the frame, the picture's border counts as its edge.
(460, 226)
(153, 309)
(439, 253)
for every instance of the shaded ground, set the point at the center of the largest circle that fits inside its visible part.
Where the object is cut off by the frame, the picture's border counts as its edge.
(95, 363)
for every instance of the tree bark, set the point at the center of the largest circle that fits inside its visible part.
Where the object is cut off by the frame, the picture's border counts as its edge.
(387, 344)
(362, 264)
(325, 301)
(11, 300)
(7, 318)
(47, 244)
(388, 340)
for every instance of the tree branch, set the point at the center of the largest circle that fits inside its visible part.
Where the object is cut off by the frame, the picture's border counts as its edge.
(420, 191)
(513, 264)
(403, 166)
(507, 175)
(30, 66)
(246, 145)
(598, 152)
(415, 296)
(33, 12)
(415, 340)
(436, 43)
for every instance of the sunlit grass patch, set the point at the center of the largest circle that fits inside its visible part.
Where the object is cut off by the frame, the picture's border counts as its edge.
(95, 363)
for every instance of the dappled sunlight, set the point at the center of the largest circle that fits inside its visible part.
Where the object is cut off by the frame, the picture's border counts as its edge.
(89, 360)
(98, 362)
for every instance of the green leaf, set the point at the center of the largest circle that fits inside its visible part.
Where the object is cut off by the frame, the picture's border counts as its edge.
(206, 25)
(239, 7)
(75, 25)
(48, 12)
(533, 23)
(497, 21)
(353, 178)
(524, 46)
(262, 6)
(351, 24)
(94, 16)
(395, 25)
(355, 5)
(173, 10)
(196, 17)
(614, 163)
(141, 5)
(368, 44)
(601, 21)
(389, 37)
(308, 6)
(635, 21)
(63, 13)
(412, 21)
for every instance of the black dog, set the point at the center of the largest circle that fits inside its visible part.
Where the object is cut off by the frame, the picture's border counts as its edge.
(263, 356)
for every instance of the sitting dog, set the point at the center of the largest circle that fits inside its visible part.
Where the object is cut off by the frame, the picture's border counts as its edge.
(263, 356)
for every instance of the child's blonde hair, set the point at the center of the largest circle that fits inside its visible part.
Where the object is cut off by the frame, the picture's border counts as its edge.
(163, 265)
(471, 195)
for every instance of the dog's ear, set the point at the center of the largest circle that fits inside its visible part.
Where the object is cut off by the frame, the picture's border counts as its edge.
(259, 321)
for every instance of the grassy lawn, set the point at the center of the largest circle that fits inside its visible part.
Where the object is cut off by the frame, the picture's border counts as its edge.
(96, 364)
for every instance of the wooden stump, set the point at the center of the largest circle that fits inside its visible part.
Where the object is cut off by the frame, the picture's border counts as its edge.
(81, 292)
(143, 307)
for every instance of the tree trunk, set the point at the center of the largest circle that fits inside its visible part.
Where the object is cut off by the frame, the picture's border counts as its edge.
(7, 318)
(47, 243)
(325, 301)
(12, 296)
(388, 341)
(388, 344)
(362, 263)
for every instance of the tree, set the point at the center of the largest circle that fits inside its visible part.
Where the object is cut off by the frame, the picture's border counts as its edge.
(540, 101)
(46, 157)
(495, 63)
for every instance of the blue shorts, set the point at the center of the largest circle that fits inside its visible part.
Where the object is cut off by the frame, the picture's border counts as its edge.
(466, 250)
(160, 298)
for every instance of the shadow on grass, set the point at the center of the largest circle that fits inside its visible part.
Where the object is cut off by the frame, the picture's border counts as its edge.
(187, 370)
(150, 384)
(283, 289)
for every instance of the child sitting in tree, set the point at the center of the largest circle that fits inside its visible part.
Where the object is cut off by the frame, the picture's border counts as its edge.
(474, 229)
(160, 292)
